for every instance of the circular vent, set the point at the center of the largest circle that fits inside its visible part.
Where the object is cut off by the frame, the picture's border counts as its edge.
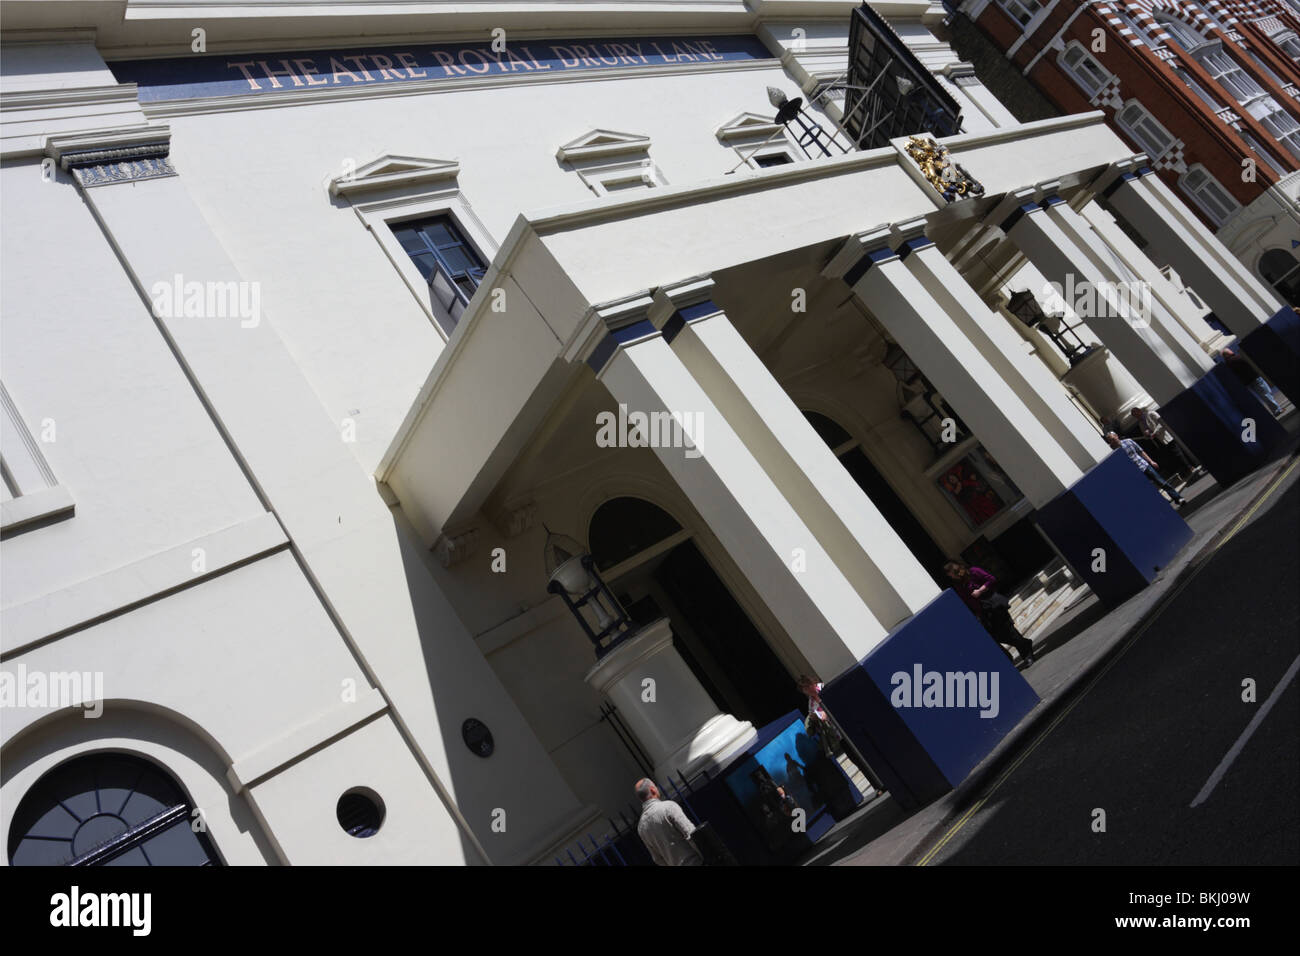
(360, 812)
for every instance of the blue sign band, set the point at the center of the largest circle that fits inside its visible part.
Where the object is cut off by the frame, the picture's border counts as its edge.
(254, 73)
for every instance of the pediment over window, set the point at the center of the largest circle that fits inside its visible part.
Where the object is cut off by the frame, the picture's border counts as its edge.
(600, 143)
(746, 126)
(389, 171)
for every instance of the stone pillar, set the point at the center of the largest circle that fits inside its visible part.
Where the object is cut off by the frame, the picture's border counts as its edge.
(883, 571)
(1269, 331)
(916, 319)
(1062, 257)
(770, 490)
(679, 726)
(1169, 294)
(1207, 411)
(1111, 508)
(1033, 384)
(806, 590)
(1145, 280)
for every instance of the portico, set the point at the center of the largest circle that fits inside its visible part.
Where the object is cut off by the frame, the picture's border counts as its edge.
(745, 303)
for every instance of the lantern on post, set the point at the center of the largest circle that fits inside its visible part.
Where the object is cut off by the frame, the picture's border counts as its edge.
(571, 573)
(1024, 306)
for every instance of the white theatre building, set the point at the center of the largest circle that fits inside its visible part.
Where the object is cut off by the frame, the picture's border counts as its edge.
(316, 319)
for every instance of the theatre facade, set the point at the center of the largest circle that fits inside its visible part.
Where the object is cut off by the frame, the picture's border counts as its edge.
(421, 424)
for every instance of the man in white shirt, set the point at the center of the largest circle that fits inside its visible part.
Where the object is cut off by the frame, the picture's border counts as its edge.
(665, 829)
(1154, 428)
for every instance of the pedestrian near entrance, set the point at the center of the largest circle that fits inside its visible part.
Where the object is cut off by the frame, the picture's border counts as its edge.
(1146, 464)
(1154, 428)
(979, 590)
(1246, 373)
(665, 829)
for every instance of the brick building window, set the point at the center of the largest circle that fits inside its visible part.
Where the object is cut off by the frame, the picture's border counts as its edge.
(1283, 126)
(1228, 74)
(1022, 11)
(1208, 193)
(1145, 130)
(1083, 68)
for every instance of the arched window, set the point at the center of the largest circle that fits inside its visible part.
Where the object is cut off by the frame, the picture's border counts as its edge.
(622, 527)
(1281, 270)
(107, 809)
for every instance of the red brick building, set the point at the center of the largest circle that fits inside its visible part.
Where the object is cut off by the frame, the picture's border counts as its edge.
(1209, 90)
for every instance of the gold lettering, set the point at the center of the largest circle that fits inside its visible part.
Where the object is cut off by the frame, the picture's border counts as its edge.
(487, 67)
(384, 64)
(708, 47)
(361, 69)
(308, 70)
(408, 61)
(272, 74)
(564, 59)
(529, 53)
(666, 57)
(338, 69)
(448, 64)
(252, 83)
(682, 54)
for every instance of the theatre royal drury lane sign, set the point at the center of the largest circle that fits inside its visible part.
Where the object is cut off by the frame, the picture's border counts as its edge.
(253, 73)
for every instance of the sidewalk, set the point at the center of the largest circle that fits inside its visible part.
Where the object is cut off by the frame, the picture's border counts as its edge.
(1076, 645)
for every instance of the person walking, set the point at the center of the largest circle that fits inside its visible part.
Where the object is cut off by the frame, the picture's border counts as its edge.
(1154, 428)
(1146, 464)
(978, 589)
(1247, 375)
(665, 829)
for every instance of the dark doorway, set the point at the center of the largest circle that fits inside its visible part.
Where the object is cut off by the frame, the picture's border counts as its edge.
(711, 631)
(882, 495)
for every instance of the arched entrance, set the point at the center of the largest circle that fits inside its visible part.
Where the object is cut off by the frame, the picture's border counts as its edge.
(655, 570)
(1281, 270)
(107, 809)
(895, 511)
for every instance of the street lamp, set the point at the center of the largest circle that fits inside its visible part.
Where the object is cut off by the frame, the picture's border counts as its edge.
(571, 573)
(1024, 306)
(788, 110)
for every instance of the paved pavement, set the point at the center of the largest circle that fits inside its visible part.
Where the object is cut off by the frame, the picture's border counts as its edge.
(1142, 739)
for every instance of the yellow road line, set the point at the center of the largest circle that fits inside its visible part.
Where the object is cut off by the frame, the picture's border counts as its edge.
(1128, 642)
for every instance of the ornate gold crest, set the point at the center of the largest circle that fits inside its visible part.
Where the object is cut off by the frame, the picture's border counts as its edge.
(943, 174)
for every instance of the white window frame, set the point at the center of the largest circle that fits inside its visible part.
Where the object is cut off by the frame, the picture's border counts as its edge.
(1198, 194)
(1147, 119)
(1284, 128)
(1078, 75)
(751, 140)
(1018, 9)
(608, 161)
(1230, 75)
(392, 200)
(32, 493)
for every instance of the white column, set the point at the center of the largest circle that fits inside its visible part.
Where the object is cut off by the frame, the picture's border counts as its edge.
(883, 571)
(1239, 299)
(1033, 384)
(679, 726)
(1058, 256)
(921, 325)
(1127, 271)
(1179, 306)
(773, 547)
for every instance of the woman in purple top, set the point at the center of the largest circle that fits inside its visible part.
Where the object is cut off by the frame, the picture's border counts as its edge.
(978, 589)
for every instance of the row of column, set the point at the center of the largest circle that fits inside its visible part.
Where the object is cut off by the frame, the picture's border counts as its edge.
(799, 527)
